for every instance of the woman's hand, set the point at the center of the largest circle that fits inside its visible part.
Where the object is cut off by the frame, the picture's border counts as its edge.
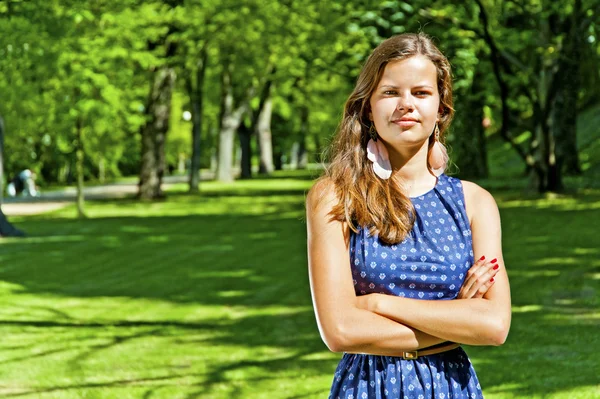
(480, 278)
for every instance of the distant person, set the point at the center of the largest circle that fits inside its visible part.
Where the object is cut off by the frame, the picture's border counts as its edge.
(23, 184)
(405, 262)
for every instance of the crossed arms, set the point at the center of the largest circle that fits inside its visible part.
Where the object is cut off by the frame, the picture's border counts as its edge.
(389, 325)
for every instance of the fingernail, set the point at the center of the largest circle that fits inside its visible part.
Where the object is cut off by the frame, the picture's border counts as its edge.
(493, 260)
(496, 267)
(482, 258)
(492, 280)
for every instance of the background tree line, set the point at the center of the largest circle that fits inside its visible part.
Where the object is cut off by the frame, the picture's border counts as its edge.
(100, 89)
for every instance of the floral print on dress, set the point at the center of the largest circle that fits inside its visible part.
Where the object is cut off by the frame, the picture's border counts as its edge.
(430, 263)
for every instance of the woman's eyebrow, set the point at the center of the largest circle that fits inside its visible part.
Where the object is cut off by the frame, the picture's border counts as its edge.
(423, 87)
(387, 86)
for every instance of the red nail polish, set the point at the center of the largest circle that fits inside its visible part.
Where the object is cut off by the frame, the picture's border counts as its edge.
(496, 267)
(482, 258)
(492, 280)
(493, 260)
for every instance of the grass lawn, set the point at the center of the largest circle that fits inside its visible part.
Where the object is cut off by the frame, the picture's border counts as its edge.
(207, 296)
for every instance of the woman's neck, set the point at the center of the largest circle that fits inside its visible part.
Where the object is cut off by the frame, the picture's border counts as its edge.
(410, 170)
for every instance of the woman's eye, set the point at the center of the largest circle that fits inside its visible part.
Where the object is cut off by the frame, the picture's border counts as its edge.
(389, 92)
(422, 93)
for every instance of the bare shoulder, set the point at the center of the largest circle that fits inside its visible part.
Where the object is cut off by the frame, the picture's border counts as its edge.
(480, 204)
(321, 196)
(320, 202)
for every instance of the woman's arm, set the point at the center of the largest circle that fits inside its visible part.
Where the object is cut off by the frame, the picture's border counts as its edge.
(475, 321)
(344, 327)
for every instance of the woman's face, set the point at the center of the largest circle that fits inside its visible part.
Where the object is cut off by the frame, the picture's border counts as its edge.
(406, 102)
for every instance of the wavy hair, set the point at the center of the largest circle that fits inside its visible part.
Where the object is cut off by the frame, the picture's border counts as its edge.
(364, 198)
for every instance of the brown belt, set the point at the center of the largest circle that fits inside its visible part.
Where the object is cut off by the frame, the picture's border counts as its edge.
(432, 350)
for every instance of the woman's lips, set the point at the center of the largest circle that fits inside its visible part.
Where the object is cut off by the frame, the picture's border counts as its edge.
(405, 122)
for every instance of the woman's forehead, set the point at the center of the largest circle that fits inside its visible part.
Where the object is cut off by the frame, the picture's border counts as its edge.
(414, 70)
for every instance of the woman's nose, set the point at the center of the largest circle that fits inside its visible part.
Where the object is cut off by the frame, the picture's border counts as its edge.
(405, 104)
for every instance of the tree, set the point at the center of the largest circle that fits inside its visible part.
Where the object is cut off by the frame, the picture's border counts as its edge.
(532, 71)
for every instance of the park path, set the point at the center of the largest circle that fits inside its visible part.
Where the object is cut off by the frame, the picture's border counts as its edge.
(52, 200)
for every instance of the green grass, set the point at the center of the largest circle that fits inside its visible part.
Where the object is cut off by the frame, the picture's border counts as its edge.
(207, 296)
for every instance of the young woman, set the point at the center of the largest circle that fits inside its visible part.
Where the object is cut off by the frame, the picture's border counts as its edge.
(392, 240)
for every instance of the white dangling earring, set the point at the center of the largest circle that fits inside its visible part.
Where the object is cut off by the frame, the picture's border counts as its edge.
(378, 154)
(438, 155)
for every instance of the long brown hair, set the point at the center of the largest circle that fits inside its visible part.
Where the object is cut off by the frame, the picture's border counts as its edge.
(364, 198)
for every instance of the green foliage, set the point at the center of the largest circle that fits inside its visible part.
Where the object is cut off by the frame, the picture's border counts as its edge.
(67, 61)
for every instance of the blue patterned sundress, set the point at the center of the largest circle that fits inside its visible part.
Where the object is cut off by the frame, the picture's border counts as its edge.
(431, 263)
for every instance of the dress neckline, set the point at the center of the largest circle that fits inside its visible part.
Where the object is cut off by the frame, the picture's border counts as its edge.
(439, 179)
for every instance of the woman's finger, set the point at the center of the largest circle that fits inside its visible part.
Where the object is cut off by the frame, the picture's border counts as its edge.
(473, 274)
(484, 288)
(478, 280)
(489, 280)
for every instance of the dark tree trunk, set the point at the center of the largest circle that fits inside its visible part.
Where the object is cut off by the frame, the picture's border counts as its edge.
(302, 156)
(564, 123)
(197, 100)
(278, 160)
(554, 181)
(161, 161)
(245, 135)
(154, 134)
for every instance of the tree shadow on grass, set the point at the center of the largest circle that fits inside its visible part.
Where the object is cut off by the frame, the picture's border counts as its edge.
(293, 332)
(252, 261)
(300, 174)
(180, 259)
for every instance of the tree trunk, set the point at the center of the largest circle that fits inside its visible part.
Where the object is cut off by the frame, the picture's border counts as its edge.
(80, 159)
(302, 156)
(278, 160)
(196, 100)
(263, 132)
(564, 124)
(499, 67)
(102, 170)
(154, 134)
(262, 127)
(294, 151)
(230, 121)
(226, 146)
(161, 159)
(148, 173)
(181, 163)
(245, 135)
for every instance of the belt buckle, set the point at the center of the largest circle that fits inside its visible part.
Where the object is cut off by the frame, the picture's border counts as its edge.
(410, 355)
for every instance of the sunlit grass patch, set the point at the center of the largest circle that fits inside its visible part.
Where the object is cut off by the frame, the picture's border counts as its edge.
(206, 296)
